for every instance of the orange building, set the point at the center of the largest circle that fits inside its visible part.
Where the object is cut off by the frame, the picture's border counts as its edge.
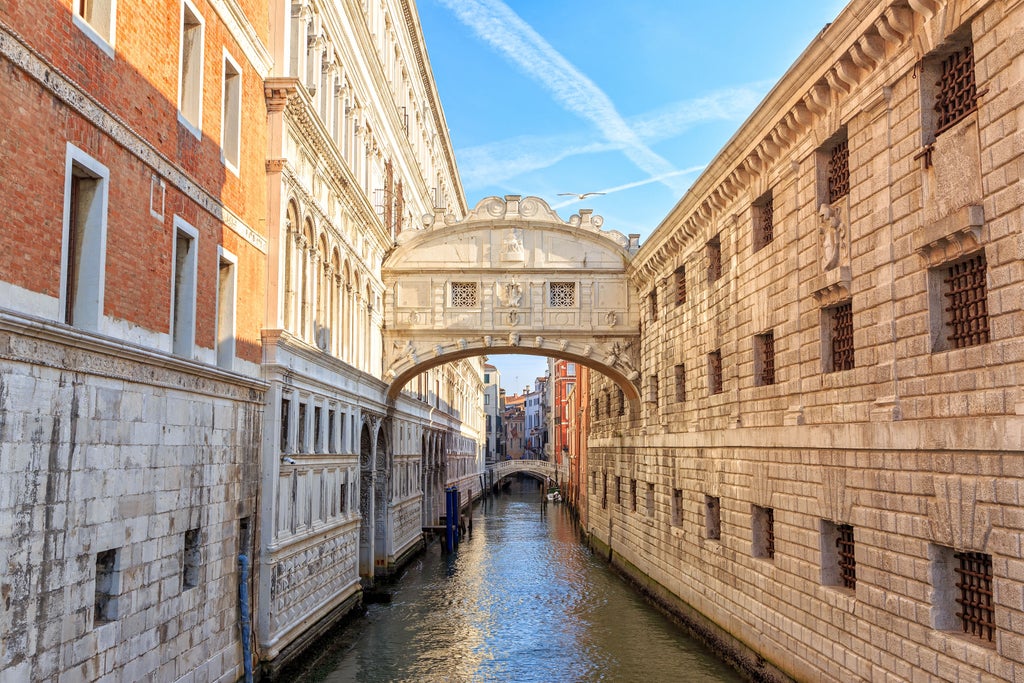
(577, 417)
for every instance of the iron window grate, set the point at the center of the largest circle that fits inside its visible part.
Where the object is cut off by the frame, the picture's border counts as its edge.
(968, 302)
(680, 286)
(839, 171)
(842, 337)
(767, 343)
(715, 370)
(958, 93)
(847, 563)
(766, 222)
(714, 260)
(974, 579)
(769, 536)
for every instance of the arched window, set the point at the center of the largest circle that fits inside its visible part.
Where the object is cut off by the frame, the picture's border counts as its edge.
(306, 281)
(290, 264)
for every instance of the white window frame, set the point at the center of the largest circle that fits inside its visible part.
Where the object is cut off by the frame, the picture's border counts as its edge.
(235, 116)
(225, 339)
(88, 309)
(103, 36)
(194, 127)
(184, 346)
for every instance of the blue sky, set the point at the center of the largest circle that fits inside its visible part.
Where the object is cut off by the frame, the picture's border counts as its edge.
(628, 98)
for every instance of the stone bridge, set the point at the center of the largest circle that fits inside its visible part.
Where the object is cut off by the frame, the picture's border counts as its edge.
(512, 277)
(540, 469)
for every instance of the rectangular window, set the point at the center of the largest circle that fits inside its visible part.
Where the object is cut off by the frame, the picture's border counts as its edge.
(652, 389)
(226, 309)
(763, 523)
(962, 596)
(839, 330)
(650, 499)
(465, 295)
(618, 490)
(190, 69)
(632, 494)
(96, 19)
(764, 220)
(192, 559)
(622, 404)
(285, 409)
(680, 281)
(714, 252)
(301, 446)
(84, 248)
(231, 114)
(677, 507)
(838, 563)
(570, 369)
(108, 586)
(562, 294)
(715, 384)
(604, 490)
(963, 308)
(838, 170)
(652, 300)
(680, 384)
(957, 94)
(713, 517)
(764, 358)
(318, 445)
(183, 302)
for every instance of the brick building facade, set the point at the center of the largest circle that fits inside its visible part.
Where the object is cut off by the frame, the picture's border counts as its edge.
(831, 422)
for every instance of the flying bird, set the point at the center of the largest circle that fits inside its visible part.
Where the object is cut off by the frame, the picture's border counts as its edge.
(580, 197)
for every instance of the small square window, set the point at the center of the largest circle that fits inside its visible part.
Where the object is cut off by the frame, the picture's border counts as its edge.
(465, 295)
(715, 383)
(680, 377)
(764, 221)
(713, 517)
(838, 337)
(764, 358)
(562, 294)
(763, 528)
(838, 562)
(714, 253)
(679, 277)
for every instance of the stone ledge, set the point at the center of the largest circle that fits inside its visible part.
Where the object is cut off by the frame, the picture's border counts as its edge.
(950, 237)
(832, 286)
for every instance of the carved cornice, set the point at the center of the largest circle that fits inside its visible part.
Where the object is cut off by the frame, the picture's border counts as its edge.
(846, 53)
(949, 238)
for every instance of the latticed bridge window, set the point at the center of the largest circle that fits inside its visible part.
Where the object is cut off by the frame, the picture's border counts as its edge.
(562, 295)
(974, 582)
(957, 94)
(839, 171)
(967, 302)
(465, 295)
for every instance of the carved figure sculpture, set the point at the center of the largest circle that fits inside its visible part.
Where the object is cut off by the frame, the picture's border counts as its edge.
(830, 228)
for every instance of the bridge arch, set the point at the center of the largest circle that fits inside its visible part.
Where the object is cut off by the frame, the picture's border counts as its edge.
(511, 277)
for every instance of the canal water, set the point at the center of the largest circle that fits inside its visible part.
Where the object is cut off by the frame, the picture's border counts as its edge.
(522, 600)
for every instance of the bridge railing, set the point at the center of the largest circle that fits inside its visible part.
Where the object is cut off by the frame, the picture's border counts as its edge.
(504, 468)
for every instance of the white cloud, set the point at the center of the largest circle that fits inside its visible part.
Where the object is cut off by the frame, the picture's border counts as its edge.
(495, 23)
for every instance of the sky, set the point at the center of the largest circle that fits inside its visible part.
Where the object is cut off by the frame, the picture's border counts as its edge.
(632, 99)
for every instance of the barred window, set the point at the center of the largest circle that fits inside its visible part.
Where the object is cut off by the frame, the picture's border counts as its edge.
(840, 323)
(562, 294)
(680, 375)
(764, 532)
(715, 372)
(764, 358)
(652, 389)
(847, 563)
(966, 311)
(677, 507)
(622, 403)
(764, 220)
(680, 280)
(714, 251)
(652, 300)
(713, 517)
(839, 171)
(974, 581)
(957, 94)
(465, 295)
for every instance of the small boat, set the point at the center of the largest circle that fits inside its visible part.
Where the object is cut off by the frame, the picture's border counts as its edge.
(554, 495)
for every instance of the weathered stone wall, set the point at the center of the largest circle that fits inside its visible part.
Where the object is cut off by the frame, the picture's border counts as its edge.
(917, 446)
(107, 447)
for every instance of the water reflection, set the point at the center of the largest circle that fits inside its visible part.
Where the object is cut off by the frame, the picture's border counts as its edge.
(521, 600)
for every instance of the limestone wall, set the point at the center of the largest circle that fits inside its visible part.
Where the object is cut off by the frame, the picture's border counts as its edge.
(915, 446)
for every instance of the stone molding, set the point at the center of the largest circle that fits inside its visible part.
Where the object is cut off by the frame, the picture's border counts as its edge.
(949, 238)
